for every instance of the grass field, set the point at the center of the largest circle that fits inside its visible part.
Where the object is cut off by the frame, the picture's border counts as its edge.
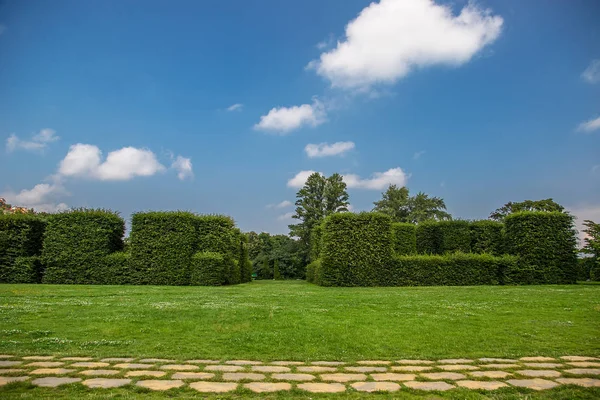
(293, 320)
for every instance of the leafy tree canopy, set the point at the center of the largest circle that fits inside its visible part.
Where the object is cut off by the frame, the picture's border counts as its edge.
(527, 205)
(401, 207)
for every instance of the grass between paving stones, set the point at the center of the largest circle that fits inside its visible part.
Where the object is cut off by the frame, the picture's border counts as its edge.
(293, 320)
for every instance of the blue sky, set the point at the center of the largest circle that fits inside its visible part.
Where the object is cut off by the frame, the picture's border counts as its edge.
(209, 106)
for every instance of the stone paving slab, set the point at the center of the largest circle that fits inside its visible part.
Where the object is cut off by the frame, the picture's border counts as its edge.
(192, 375)
(54, 382)
(458, 367)
(393, 377)
(343, 377)
(160, 384)
(5, 380)
(455, 361)
(38, 358)
(155, 374)
(117, 359)
(535, 384)
(46, 364)
(284, 363)
(374, 362)
(3, 356)
(410, 368)
(11, 371)
(322, 387)
(481, 385)
(100, 372)
(51, 371)
(567, 358)
(243, 376)
(442, 386)
(498, 360)
(542, 365)
(270, 368)
(583, 371)
(539, 373)
(243, 362)
(76, 359)
(366, 369)
(443, 375)
(10, 363)
(106, 383)
(266, 387)
(87, 364)
(213, 387)
(180, 367)
(156, 360)
(490, 374)
(375, 386)
(133, 366)
(316, 368)
(537, 358)
(328, 363)
(415, 362)
(225, 368)
(585, 382)
(202, 361)
(293, 377)
(584, 364)
(500, 366)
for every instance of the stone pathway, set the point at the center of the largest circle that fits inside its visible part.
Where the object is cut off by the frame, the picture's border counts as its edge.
(214, 376)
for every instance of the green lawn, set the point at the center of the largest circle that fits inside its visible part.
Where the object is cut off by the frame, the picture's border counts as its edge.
(293, 320)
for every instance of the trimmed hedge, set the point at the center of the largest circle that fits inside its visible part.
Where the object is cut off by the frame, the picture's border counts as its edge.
(546, 244)
(162, 246)
(428, 238)
(487, 237)
(22, 270)
(313, 272)
(315, 242)
(115, 269)
(21, 235)
(76, 242)
(209, 269)
(404, 238)
(455, 236)
(457, 269)
(356, 249)
(245, 263)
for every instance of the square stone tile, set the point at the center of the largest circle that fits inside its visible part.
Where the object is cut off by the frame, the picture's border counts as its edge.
(180, 367)
(374, 362)
(4, 364)
(76, 359)
(45, 364)
(366, 369)
(375, 386)
(243, 362)
(322, 387)
(87, 364)
(51, 371)
(225, 368)
(160, 384)
(393, 377)
(133, 366)
(242, 376)
(481, 385)
(498, 360)
(156, 360)
(316, 368)
(270, 368)
(154, 374)
(54, 382)
(567, 358)
(38, 358)
(285, 363)
(585, 382)
(539, 373)
(213, 387)
(192, 375)
(328, 363)
(5, 380)
(441, 386)
(455, 361)
(415, 362)
(535, 384)
(584, 364)
(458, 367)
(410, 368)
(293, 377)
(443, 375)
(537, 359)
(105, 383)
(583, 371)
(118, 359)
(339, 377)
(267, 387)
(100, 372)
(542, 365)
(202, 361)
(490, 374)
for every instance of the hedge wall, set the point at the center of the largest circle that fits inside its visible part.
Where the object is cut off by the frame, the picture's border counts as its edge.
(315, 242)
(454, 236)
(356, 249)
(546, 244)
(21, 235)
(487, 237)
(404, 238)
(22, 270)
(76, 242)
(428, 238)
(209, 269)
(457, 269)
(245, 263)
(114, 269)
(162, 246)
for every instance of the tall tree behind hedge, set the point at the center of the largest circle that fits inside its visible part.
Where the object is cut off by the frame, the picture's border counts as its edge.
(592, 247)
(394, 202)
(401, 207)
(547, 205)
(336, 196)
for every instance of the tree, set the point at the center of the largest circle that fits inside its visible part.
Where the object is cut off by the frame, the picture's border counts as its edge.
(527, 205)
(592, 240)
(276, 273)
(318, 198)
(401, 207)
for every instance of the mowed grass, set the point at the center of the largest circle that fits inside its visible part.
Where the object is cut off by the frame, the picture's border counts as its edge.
(293, 320)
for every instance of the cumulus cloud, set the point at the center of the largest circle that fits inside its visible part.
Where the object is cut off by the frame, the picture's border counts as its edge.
(283, 120)
(391, 38)
(285, 216)
(183, 166)
(84, 160)
(325, 149)
(235, 107)
(300, 179)
(38, 141)
(378, 181)
(589, 126)
(581, 213)
(592, 72)
(42, 197)
(283, 204)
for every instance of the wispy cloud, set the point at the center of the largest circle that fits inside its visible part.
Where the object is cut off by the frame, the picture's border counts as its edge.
(283, 204)
(37, 142)
(285, 216)
(589, 126)
(326, 149)
(283, 120)
(592, 72)
(378, 181)
(235, 107)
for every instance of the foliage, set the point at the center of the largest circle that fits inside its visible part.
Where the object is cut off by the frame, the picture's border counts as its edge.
(356, 249)
(592, 239)
(276, 273)
(6, 208)
(22, 270)
(209, 269)
(78, 240)
(401, 207)
(428, 237)
(20, 236)
(457, 269)
(315, 242)
(245, 264)
(487, 237)
(546, 245)
(266, 249)
(404, 238)
(547, 205)
(114, 269)
(454, 236)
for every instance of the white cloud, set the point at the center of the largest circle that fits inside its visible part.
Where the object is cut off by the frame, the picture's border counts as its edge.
(592, 72)
(285, 119)
(183, 166)
(589, 126)
(283, 204)
(418, 154)
(379, 180)
(84, 160)
(42, 197)
(325, 149)
(390, 38)
(300, 179)
(38, 142)
(583, 212)
(235, 107)
(285, 216)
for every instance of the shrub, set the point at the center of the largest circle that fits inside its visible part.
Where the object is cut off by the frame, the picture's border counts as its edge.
(315, 242)
(454, 236)
(356, 249)
(404, 238)
(595, 271)
(310, 272)
(115, 269)
(456, 269)
(276, 273)
(209, 269)
(22, 270)
(77, 241)
(428, 238)
(546, 245)
(21, 235)
(245, 263)
(487, 237)
(584, 268)
(162, 246)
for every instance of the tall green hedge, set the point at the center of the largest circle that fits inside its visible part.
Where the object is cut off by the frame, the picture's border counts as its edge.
(209, 269)
(114, 269)
(245, 263)
(546, 244)
(76, 242)
(455, 236)
(21, 235)
(404, 238)
(428, 238)
(487, 237)
(315, 242)
(162, 246)
(356, 249)
(22, 270)
(455, 269)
